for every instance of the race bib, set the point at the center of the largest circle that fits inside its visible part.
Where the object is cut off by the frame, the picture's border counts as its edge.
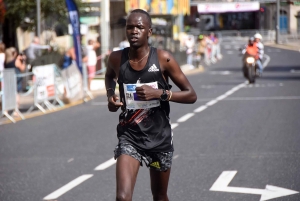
(132, 100)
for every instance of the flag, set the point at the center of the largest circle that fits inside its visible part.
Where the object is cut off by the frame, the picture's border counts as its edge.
(75, 23)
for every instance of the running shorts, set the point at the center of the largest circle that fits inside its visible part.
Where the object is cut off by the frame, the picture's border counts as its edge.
(160, 161)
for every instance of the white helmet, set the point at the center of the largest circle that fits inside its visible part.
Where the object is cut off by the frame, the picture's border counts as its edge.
(257, 35)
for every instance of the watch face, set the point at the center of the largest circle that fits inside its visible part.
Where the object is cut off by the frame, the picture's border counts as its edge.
(164, 96)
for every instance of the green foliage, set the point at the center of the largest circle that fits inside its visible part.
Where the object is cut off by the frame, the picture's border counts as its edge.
(24, 12)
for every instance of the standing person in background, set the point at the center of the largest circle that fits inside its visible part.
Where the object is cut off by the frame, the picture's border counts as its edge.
(189, 43)
(33, 51)
(91, 60)
(2, 56)
(201, 49)
(144, 130)
(124, 43)
(17, 62)
(260, 48)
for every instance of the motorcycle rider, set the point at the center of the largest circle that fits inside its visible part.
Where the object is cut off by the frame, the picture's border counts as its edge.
(260, 48)
(252, 50)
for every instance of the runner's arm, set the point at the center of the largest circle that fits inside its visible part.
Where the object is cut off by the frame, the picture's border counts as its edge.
(112, 71)
(171, 69)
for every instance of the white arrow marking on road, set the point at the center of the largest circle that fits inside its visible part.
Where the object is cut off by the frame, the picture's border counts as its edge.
(67, 187)
(270, 192)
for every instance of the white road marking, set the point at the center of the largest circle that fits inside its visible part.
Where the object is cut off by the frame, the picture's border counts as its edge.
(212, 102)
(67, 187)
(200, 109)
(221, 97)
(106, 164)
(266, 61)
(271, 192)
(185, 117)
(176, 156)
(174, 125)
(229, 52)
(70, 160)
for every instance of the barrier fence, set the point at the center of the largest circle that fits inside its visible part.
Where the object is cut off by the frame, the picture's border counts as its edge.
(47, 84)
(9, 94)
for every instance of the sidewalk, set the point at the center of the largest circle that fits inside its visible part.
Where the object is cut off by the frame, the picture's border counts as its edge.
(290, 45)
(99, 90)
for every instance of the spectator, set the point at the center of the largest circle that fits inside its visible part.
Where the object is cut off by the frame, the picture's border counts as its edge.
(201, 49)
(91, 60)
(123, 44)
(2, 56)
(17, 62)
(33, 51)
(189, 43)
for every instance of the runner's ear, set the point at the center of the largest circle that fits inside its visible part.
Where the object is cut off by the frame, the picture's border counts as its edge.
(150, 32)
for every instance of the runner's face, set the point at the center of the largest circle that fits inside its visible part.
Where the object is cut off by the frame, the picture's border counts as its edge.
(137, 29)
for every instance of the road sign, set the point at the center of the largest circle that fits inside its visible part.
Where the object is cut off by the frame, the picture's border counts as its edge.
(271, 192)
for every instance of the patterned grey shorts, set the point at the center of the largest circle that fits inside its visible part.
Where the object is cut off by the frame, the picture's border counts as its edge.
(160, 161)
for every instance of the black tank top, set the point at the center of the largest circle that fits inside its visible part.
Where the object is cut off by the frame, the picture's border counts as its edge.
(145, 125)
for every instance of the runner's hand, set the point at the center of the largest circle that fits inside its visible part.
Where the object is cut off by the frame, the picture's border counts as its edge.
(113, 105)
(146, 92)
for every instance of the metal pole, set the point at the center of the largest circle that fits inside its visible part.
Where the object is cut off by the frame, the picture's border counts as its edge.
(277, 21)
(38, 8)
(105, 29)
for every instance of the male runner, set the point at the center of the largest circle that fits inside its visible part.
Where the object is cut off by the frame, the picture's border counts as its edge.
(144, 129)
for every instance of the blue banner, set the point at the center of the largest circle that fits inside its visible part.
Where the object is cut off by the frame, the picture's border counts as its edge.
(74, 20)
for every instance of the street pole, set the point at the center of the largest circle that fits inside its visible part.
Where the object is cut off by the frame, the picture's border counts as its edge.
(105, 30)
(277, 21)
(38, 8)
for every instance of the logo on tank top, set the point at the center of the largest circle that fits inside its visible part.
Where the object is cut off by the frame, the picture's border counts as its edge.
(153, 68)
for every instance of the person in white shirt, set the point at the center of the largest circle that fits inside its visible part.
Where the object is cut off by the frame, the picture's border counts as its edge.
(33, 51)
(91, 60)
(123, 44)
(2, 56)
(260, 48)
(189, 43)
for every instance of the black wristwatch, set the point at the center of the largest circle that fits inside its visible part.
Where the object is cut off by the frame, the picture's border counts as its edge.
(164, 96)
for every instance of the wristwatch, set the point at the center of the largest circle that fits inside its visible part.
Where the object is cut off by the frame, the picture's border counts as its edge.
(164, 96)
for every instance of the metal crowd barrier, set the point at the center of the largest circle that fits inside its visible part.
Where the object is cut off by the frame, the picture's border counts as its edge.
(37, 89)
(9, 94)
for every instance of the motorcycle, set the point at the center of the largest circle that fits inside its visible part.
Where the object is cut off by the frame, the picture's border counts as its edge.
(249, 66)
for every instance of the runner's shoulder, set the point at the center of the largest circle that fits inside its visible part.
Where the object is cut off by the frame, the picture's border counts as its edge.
(115, 57)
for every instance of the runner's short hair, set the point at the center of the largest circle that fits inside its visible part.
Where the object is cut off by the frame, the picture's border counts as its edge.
(145, 13)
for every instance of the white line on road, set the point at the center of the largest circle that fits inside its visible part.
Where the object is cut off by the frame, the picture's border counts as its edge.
(212, 102)
(200, 109)
(185, 117)
(67, 187)
(266, 61)
(106, 164)
(174, 125)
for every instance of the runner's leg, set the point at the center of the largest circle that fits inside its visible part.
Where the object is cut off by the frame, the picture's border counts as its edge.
(159, 184)
(126, 173)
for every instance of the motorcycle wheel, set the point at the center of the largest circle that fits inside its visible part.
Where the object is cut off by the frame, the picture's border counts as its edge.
(251, 75)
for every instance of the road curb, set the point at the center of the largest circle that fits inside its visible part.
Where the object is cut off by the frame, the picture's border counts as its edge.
(284, 46)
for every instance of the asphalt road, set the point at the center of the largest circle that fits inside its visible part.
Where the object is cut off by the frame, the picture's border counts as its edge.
(232, 143)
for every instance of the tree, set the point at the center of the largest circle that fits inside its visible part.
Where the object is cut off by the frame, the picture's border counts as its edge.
(23, 12)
